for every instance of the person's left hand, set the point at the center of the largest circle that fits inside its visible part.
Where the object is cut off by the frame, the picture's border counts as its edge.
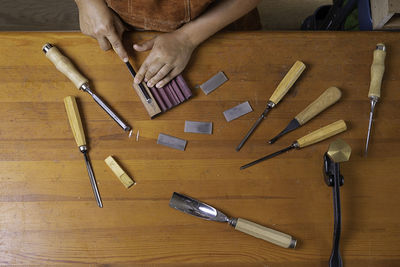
(169, 56)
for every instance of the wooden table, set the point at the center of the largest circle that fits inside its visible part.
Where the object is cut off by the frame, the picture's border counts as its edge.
(48, 214)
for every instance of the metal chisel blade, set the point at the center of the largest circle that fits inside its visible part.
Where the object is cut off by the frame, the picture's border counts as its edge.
(293, 125)
(371, 115)
(92, 180)
(255, 125)
(267, 157)
(196, 208)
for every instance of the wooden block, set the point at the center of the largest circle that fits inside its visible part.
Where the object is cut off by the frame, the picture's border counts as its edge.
(152, 108)
(119, 172)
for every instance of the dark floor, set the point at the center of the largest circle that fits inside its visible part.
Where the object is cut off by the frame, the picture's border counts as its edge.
(62, 15)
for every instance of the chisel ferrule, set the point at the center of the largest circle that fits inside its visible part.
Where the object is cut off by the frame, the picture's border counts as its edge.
(47, 47)
(381, 47)
(232, 222)
(271, 104)
(374, 99)
(295, 145)
(83, 149)
(85, 87)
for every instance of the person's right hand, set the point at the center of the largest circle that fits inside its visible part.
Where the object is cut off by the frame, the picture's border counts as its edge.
(97, 20)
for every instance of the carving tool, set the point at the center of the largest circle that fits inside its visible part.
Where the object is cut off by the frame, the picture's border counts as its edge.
(283, 87)
(338, 152)
(79, 135)
(202, 210)
(328, 98)
(142, 88)
(377, 70)
(309, 139)
(64, 65)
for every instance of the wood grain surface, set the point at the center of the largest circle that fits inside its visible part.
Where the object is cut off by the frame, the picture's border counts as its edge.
(43, 15)
(48, 215)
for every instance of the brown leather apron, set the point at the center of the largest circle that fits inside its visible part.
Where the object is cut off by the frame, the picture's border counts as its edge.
(168, 15)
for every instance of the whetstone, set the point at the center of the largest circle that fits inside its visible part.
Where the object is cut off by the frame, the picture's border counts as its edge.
(237, 111)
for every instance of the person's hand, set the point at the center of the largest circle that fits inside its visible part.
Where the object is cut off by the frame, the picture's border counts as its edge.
(97, 20)
(169, 56)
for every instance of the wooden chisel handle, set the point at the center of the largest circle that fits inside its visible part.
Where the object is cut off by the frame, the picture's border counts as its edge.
(75, 120)
(290, 78)
(328, 98)
(322, 133)
(377, 70)
(267, 234)
(64, 65)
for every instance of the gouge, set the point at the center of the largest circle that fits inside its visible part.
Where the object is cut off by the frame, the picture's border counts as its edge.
(64, 65)
(283, 87)
(377, 70)
(328, 98)
(199, 209)
(309, 139)
(79, 135)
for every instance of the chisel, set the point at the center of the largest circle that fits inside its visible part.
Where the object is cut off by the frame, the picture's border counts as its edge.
(79, 135)
(202, 210)
(283, 87)
(142, 88)
(377, 70)
(64, 65)
(328, 98)
(309, 139)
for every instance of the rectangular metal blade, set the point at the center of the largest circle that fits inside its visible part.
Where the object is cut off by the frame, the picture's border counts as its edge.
(172, 142)
(237, 111)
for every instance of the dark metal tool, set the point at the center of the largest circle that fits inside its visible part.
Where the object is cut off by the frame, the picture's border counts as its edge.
(64, 65)
(338, 152)
(142, 88)
(377, 70)
(309, 139)
(326, 99)
(202, 210)
(77, 129)
(283, 87)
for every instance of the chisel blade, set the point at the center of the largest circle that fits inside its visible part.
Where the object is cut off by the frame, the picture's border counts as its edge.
(252, 129)
(293, 125)
(268, 157)
(371, 117)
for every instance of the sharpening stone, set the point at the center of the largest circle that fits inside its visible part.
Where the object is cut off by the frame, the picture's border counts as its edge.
(237, 111)
(213, 83)
(172, 142)
(198, 127)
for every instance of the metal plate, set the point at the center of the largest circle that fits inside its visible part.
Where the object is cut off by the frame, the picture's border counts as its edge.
(237, 111)
(213, 83)
(172, 142)
(198, 127)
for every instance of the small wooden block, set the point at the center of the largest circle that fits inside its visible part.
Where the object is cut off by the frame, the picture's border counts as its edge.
(152, 108)
(119, 172)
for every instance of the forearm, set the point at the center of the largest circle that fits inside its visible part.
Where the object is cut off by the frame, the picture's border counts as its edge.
(219, 16)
